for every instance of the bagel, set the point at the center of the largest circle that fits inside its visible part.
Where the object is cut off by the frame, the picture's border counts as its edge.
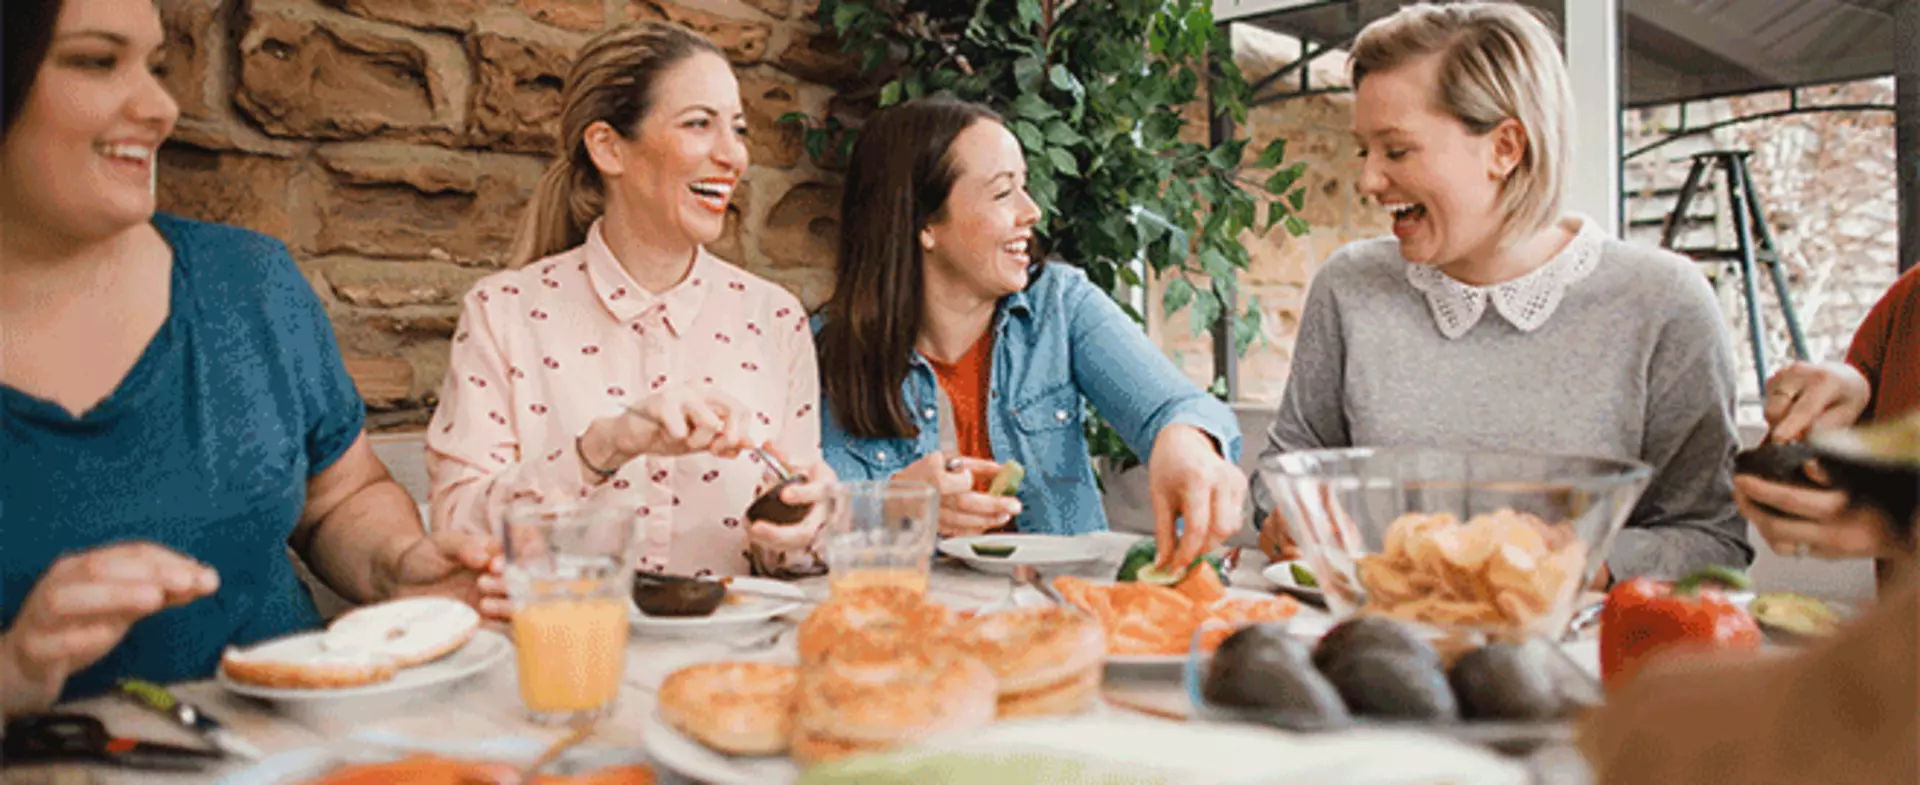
(294, 664)
(739, 708)
(413, 631)
(1073, 695)
(871, 699)
(364, 646)
(1032, 647)
(878, 617)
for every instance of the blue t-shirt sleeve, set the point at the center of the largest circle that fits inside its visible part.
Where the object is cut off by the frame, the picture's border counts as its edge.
(335, 414)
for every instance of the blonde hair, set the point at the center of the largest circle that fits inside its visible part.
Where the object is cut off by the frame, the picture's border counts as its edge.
(611, 81)
(1498, 61)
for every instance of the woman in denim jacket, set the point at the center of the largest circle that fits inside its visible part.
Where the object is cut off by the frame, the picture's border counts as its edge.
(945, 349)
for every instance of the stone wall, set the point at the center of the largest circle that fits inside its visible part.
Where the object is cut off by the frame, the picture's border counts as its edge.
(393, 144)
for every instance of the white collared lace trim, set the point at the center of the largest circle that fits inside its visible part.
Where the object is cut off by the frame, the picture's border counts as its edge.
(1526, 302)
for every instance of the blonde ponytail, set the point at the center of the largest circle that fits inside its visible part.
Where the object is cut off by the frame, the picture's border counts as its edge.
(612, 82)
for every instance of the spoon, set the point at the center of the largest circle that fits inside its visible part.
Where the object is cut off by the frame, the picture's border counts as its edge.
(770, 507)
(579, 734)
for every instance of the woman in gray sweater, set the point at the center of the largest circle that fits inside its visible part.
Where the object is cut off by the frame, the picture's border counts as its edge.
(1490, 320)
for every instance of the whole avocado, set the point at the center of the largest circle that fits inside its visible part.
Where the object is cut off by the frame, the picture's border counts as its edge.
(1394, 685)
(1371, 634)
(1261, 667)
(1501, 681)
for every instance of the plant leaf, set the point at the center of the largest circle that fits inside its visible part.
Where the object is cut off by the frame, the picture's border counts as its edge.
(1033, 107)
(1272, 156)
(1285, 178)
(1063, 161)
(1029, 136)
(890, 94)
(1179, 293)
(1297, 198)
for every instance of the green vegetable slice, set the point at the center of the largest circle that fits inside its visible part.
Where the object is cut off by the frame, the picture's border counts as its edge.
(1302, 576)
(992, 551)
(1007, 482)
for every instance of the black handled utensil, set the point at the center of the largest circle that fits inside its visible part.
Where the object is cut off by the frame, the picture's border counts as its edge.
(45, 738)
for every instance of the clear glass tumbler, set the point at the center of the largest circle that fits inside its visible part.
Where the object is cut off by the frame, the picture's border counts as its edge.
(568, 578)
(880, 533)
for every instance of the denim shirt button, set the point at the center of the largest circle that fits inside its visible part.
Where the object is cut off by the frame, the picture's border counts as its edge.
(1060, 416)
(880, 456)
(930, 413)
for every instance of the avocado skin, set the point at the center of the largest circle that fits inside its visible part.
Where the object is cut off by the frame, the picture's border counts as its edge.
(1362, 634)
(1394, 685)
(1501, 681)
(1262, 667)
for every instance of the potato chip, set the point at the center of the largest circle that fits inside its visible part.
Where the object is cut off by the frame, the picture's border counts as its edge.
(1503, 568)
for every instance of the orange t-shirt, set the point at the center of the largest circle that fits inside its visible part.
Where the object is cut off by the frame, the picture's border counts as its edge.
(965, 383)
(1886, 349)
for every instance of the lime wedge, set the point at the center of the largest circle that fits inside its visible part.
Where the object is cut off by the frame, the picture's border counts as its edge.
(1007, 482)
(1152, 574)
(1302, 576)
(992, 551)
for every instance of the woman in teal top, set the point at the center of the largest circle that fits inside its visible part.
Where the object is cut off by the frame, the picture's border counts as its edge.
(173, 411)
(933, 260)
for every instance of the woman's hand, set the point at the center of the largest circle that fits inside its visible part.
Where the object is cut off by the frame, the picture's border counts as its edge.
(1804, 397)
(452, 563)
(1274, 540)
(1189, 479)
(964, 512)
(812, 489)
(1799, 521)
(678, 420)
(81, 608)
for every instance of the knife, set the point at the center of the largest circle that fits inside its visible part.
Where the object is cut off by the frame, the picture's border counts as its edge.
(189, 716)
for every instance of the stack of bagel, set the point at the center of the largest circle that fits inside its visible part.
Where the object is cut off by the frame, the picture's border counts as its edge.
(884, 667)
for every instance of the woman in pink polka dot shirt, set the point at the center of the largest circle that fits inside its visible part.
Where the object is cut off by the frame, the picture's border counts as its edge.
(621, 361)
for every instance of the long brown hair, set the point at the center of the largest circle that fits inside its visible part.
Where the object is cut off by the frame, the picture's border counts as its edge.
(898, 179)
(611, 81)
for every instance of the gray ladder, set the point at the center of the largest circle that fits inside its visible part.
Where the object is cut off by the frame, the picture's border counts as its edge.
(1754, 247)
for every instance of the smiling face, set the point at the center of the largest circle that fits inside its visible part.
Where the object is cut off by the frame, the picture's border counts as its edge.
(79, 158)
(677, 172)
(980, 238)
(1440, 180)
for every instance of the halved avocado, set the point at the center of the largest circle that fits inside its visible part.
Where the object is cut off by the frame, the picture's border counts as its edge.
(676, 595)
(993, 551)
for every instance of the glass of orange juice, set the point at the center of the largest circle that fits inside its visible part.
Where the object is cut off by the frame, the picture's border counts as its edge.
(568, 578)
(880, 533)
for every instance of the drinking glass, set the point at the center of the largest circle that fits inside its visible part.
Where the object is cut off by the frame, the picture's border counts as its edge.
(880, 533)
(568, 578)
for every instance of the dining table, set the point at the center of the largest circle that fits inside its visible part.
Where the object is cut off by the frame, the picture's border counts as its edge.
(487, 704)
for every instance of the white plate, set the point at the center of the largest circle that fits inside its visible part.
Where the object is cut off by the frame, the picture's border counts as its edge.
(1307, 623)
(486, 648)
(691, 759)
(753, 608)
(1281, 574)
(1029, 550)
(1147, 750)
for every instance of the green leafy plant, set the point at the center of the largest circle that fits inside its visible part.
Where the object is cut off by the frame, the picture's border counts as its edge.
(1102, 94)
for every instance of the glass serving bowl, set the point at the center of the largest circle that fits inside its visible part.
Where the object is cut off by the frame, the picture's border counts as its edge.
(1487, 542)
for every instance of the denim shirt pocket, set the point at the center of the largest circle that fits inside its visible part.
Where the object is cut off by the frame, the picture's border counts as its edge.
(1049, 426)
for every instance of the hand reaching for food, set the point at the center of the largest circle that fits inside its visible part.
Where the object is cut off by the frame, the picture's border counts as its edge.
(82, 607)
(1191, 483)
